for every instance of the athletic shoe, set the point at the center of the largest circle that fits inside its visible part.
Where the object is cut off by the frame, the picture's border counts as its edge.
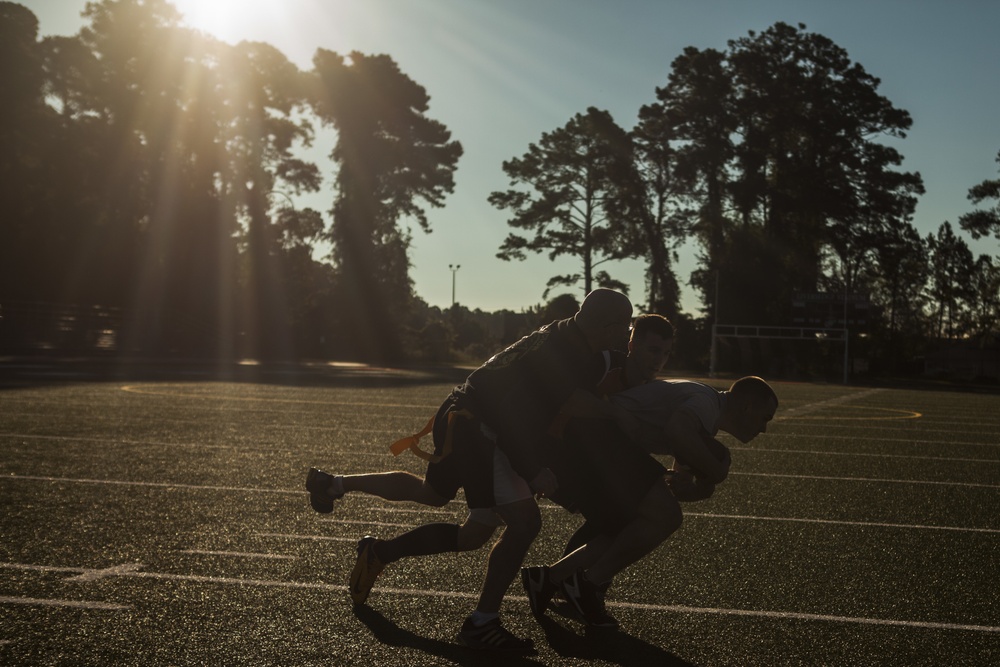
(366, 570)
(320, 487)
(587, 599)
(493, 637)
(539, 588)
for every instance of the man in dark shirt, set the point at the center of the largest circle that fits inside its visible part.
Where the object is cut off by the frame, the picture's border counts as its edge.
(491, 439)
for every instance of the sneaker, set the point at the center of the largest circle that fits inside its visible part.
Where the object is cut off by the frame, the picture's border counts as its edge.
(493, 637)
(588, 600)
(366, 570)
(539, 588)
(320, 486)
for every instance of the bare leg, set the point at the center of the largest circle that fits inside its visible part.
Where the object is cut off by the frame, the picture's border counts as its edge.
(523, 523)
(396, 485)
(434, 538)
(659, 516)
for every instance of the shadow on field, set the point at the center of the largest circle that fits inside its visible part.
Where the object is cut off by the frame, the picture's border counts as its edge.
(391, 634)
(614, 647)
(611, 646)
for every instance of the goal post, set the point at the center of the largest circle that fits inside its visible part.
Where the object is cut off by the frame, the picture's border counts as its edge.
(763, 332)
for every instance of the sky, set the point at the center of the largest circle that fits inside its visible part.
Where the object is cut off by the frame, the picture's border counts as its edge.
(502, 72)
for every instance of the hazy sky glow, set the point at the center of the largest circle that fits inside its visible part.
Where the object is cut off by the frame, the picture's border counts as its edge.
(501, 73)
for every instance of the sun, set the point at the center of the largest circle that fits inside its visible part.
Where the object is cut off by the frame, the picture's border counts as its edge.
(282, 23)
(227, 20)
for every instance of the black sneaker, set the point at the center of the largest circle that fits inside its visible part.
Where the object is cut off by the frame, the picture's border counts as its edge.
(319, 485)
(366, 570)
(587, 599)
(539, 588)
(493, 637)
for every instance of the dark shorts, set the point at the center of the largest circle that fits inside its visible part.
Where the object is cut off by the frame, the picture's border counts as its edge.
(602, 474)
(469, 464)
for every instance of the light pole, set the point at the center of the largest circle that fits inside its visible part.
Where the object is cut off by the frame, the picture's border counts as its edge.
(454, 269)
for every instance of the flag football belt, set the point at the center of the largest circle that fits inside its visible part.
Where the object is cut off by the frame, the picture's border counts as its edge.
(411, 442)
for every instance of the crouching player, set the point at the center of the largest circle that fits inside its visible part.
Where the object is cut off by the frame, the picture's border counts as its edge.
(628, 497)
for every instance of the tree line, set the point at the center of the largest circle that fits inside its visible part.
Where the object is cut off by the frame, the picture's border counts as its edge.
(147, 173)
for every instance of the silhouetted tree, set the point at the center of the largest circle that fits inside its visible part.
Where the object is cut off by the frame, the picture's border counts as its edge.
(390, 158)
(780, 133)
(562, 191)
(951, 276)
(983, 221)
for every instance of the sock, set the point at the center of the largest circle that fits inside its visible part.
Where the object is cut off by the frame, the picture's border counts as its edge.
(432, 538)
(481, 618)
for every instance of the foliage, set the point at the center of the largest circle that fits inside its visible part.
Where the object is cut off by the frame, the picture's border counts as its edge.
(563, 192)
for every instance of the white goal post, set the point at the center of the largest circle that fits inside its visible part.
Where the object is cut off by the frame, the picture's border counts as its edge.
(777, 333)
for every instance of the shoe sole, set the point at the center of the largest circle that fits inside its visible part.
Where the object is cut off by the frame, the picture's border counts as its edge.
(359, 591)
(318, 496)
(533, 599)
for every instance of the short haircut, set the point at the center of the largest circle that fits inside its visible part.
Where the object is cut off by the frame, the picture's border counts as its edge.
(652, 323)
(753, 389)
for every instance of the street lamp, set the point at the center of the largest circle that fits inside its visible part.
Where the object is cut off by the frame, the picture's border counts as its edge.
(454, 269)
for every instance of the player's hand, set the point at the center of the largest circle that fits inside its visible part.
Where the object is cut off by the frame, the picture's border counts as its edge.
(544, 483)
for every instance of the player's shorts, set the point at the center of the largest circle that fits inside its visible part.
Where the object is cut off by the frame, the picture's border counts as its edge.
(602, 474)
(474, 463)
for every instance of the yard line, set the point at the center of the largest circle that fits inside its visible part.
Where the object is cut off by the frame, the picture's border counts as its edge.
(162, 485)
(813, 407)
(314, 538)
(78, 604)
(116, 441)
(237, 554)
(241, 448)
(801, 616)
(682, 609)
(263, 399)
(874, 524)
(380, 524)
(945, 459)
(824, 436)
(251, 490)
(866, 479)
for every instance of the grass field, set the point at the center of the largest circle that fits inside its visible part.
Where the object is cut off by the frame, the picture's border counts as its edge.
(161, 521)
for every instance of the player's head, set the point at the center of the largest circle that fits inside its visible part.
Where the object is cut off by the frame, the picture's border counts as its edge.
(753, 404)
(604, 317)
(650, 346)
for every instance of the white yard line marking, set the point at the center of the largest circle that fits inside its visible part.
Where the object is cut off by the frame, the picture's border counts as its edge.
(544, 506)
(875, 524)
(114, 571)
(928, 625)
(78, 604)
(370, 523)
(911, 441)
(201, 396)
(471, 596)
(314, 538)
(810, 452)
(877, 480)
(162, 485)
(813, 407)
(237, 554)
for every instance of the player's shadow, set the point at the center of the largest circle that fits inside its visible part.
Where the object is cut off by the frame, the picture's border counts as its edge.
(391, 634)
(610, 645)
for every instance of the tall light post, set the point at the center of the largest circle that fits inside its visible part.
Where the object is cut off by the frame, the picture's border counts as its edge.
(454, 269)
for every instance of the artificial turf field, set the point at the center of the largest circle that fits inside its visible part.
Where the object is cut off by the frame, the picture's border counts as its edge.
(162, 520)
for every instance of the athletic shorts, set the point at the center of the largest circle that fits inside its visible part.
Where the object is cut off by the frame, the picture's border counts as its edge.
(602, 474)
(474, 464)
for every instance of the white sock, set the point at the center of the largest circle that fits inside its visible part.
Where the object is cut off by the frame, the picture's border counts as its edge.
(481, 618)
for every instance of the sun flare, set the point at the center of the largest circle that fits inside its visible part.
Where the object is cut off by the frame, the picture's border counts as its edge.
(233, 21)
